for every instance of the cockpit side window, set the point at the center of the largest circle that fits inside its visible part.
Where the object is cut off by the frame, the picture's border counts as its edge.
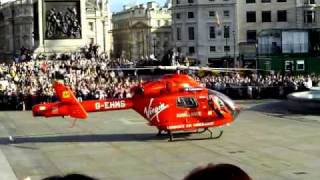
(223, 98)
(187, 102)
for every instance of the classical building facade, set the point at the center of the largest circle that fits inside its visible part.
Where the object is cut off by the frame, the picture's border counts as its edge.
(26, 23)
(206, 30)
(99, 25)
(16, 27)
(142, 31)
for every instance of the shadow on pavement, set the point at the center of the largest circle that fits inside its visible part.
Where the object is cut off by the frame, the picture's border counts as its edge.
(79, 138)
(282, 109)
(274, 107)
(86, 138)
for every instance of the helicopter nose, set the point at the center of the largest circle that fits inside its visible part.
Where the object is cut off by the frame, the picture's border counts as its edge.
(236, 111)
(38, 110)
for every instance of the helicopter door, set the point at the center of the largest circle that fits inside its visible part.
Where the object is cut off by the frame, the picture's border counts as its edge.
(187, 108)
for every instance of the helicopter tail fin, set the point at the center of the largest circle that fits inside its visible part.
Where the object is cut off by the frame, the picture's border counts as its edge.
(66, 96)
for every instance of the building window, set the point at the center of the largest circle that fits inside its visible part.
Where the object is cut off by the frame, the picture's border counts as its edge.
(191, 33)
(91, 41)
(91, 26)
(251, 36)
(266, 16)
(309, 16)
(300, 65)
(282, 16)
(295, 42)
(226, 31)
(226, 48)
(288, 65)
(281, 0)
(178, 16)
(212, 49)
(311, 2)
(251, 16)
(159, 23)
(212, 13)
(265, 1)
(250, 1)
(212, 32)
(191, 50)
(178, 33)
(177, 1)
(226, 13)
(190, 15)
(190, 1)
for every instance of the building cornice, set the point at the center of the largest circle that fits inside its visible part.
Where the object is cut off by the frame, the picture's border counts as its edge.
(202, 5)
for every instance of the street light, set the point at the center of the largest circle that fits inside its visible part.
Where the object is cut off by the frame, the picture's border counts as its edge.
(257, 56)
(142, 38)
(13, 30)
(226, 36)
(234, 49)
(154, 46)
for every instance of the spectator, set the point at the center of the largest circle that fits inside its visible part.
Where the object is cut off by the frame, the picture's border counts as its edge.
(70, 177)
(218, 172)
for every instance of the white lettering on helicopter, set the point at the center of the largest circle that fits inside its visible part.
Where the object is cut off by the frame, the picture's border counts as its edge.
(55, 110)
(153, 112)
(189, 114)
(194, 89)
(203, 97)
(110, 105)
(195, 125)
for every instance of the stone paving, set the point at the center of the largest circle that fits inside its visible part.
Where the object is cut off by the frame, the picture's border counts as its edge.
(119, 145)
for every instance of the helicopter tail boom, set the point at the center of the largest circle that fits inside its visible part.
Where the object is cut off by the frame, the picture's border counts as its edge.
(68, 105)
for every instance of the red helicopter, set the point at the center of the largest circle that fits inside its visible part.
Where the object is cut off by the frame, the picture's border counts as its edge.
(173, 103)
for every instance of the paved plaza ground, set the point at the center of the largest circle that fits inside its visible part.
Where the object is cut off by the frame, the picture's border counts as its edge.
(266, 141)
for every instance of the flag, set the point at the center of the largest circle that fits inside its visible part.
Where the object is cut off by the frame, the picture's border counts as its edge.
(218, 19)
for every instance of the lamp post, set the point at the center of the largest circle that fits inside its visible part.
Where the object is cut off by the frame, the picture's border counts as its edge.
(234, 49)
(154, 46)
(226, 36)
(257, 56)
(95, 24)
(142, 36)
(13, 30)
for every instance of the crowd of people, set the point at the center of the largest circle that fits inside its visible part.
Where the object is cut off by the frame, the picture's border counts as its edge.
(258, 86)
(25, 83)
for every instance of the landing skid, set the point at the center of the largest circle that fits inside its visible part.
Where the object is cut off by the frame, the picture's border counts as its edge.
(172, 138)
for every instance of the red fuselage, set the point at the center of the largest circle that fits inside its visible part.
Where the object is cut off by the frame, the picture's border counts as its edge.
(173, 103)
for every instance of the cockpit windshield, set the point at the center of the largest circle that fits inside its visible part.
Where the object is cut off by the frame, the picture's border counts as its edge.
(226, 100)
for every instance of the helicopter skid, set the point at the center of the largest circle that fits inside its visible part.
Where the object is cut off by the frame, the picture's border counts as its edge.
(182, 135)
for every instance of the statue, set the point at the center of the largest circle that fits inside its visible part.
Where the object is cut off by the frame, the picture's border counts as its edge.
(50, 22)
(60, 25)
